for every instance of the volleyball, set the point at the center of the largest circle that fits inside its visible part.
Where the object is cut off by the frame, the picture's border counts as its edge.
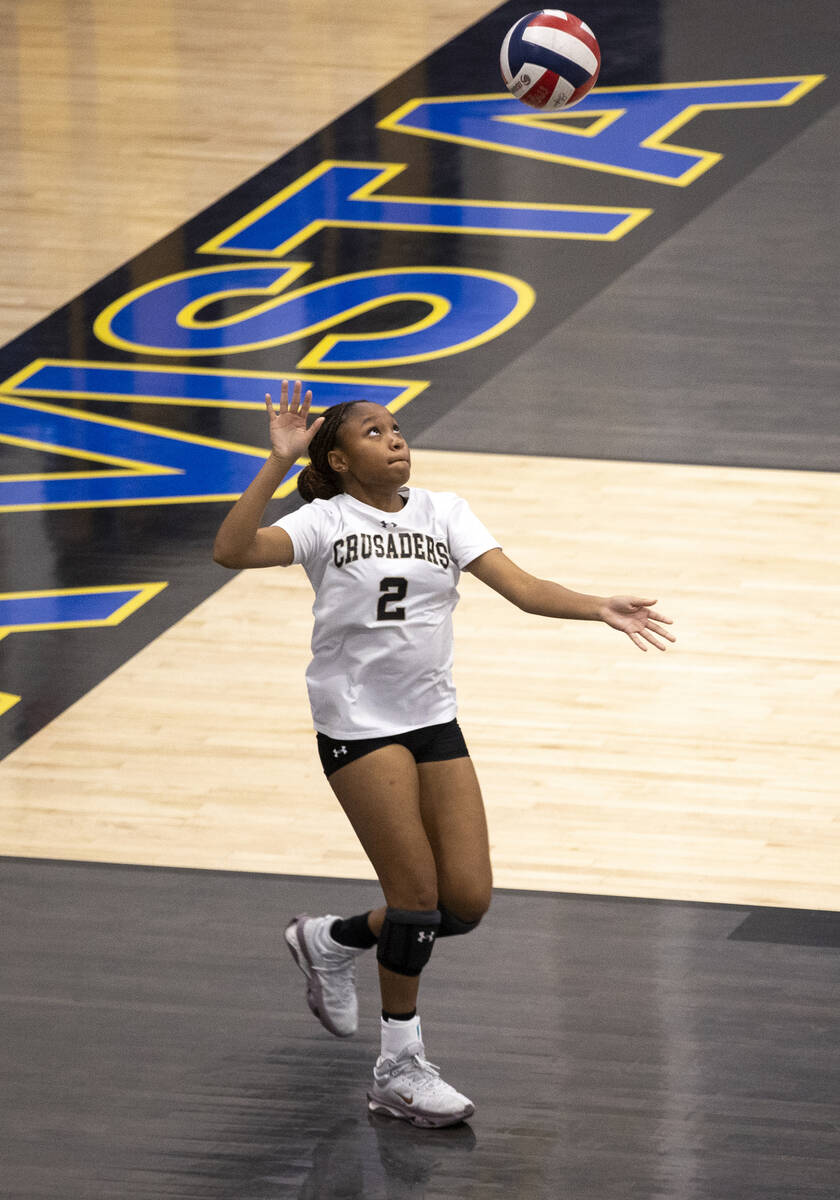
(550, 59)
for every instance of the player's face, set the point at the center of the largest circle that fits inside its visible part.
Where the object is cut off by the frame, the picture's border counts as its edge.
(372, 448)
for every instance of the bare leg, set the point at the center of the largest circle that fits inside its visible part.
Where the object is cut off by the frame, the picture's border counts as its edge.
(380, 793)
(454, 821)
(453, 817)
(425, 833)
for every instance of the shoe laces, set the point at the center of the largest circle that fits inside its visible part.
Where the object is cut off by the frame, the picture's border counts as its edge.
(423, 1073)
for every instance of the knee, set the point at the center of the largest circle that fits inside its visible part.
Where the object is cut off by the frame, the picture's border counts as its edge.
(470, 900)
(466, 912)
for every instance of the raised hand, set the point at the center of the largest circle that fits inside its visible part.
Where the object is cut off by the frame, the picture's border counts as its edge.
(287, 424)
(638, 620)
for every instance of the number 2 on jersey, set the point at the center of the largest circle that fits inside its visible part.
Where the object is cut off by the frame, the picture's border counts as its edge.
(393, 590)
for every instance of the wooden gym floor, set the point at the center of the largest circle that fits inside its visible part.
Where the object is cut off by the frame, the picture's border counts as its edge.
(656, 985)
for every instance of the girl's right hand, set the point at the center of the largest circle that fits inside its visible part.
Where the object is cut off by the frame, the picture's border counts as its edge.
(287, 425)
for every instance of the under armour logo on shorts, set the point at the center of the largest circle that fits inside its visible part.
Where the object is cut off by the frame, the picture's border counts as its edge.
(340, 750)
(422, 936)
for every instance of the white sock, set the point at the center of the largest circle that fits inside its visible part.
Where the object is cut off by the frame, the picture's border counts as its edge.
(396, 1035)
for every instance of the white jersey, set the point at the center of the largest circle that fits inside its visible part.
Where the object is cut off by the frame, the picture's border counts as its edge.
(385, 589)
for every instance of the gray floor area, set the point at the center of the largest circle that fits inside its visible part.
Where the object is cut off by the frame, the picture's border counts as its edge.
(157, 1044)
(720, 347)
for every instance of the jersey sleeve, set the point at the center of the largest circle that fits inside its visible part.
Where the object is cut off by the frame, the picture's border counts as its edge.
(306, 526)
(468, 537)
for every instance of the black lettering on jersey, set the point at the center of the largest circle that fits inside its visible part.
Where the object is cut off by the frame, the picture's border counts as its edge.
(393, 590)
(420, 546)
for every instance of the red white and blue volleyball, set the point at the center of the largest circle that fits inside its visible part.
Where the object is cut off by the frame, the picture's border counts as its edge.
(550, 59)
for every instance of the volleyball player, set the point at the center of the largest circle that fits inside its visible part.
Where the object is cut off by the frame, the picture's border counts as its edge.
(384, 561)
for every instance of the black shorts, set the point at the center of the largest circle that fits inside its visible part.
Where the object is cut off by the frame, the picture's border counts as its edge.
(433, 743)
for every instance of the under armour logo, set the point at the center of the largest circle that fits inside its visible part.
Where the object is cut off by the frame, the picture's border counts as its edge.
(423, 936)
(388, 524)
(340, 750)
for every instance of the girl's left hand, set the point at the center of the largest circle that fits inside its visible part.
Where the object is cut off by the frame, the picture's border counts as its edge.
(638, 620)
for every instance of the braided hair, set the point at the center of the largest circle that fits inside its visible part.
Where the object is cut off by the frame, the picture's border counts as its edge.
(317, 480)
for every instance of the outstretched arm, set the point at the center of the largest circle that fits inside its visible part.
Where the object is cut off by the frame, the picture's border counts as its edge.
(240, 541)
(628, 614)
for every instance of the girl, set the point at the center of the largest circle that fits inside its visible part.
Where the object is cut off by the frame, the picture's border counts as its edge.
(384, 561)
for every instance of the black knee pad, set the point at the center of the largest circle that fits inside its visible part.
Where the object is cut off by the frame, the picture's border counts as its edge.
(452, 926)
(406, 941)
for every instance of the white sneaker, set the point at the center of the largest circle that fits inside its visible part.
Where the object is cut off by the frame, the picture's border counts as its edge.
(330, 971)
(411, 1088)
